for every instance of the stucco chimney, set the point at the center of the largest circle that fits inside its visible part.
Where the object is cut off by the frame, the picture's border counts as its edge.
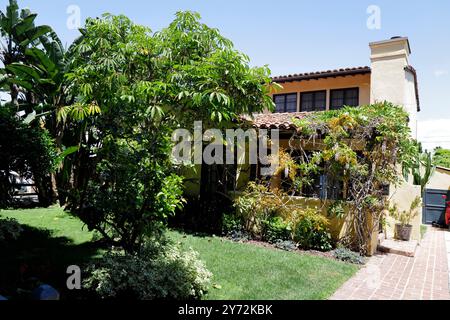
(389, 59)
(390, 79)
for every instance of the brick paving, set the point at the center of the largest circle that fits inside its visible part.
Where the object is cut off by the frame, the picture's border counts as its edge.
(396, 277)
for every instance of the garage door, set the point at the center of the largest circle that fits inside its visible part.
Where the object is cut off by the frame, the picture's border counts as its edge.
(434, 206)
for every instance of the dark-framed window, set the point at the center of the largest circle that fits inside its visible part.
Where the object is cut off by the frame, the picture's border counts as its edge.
(344, 97)
(313, 101)
(285, 102)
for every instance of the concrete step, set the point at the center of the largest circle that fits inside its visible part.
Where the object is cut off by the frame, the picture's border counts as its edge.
(403, 248)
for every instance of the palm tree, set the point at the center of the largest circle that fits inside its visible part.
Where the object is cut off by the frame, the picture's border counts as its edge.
(18, 32)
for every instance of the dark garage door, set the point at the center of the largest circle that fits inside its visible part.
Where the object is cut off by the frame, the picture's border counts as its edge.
(434, 206)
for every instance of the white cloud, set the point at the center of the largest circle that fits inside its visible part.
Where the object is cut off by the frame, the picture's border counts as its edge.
(440, 73)
(434, 133)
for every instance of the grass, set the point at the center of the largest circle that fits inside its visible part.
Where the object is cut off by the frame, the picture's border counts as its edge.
(248, 272)
(55, 219)
(53, 240)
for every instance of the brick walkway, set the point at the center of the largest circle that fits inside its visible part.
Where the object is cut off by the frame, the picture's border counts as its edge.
(395, 277)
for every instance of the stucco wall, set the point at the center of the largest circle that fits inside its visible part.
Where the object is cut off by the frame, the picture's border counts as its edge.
(440, 180)
(403, 196)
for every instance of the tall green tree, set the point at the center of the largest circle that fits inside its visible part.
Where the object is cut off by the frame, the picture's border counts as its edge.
(144, 86)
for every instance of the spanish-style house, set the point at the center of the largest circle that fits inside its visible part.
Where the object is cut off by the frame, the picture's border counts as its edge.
(390, 77)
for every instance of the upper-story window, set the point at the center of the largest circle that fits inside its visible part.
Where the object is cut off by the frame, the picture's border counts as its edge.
(285, 102)
(313, 101)
(344, 97)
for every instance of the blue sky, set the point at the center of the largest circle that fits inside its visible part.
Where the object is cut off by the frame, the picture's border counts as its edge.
(299, 36)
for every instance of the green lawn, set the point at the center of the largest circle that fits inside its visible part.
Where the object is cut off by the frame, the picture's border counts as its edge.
(241, 271)
(51, 241)
(246, 271)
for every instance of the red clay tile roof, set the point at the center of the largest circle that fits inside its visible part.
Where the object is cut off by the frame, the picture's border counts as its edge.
(322, 74)
(281, 121)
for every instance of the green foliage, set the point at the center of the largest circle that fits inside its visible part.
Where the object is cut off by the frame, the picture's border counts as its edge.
(10, 229)
(406, 216)
(35, 65)
(441, 157)
(142, 86)
(159, 271)
(423, 169)
(336, 209)
(25, 149)
(347, 255)
(256, 206)
(271, 216)
(231, 223)
(276, 229)
(311, 231)
(361, 149)
(207, 77)
(133, 191)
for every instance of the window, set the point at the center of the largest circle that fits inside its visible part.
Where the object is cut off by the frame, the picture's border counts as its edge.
(313, 101)
(344, 97)
(285, 102)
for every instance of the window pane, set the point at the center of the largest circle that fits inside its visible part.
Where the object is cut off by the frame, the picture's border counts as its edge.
(351, 97)
(291, 103)
(307, 102)
(279, 102)
(337, 99)
(320, 102)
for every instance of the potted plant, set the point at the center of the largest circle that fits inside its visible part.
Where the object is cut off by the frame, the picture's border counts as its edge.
(403, 228)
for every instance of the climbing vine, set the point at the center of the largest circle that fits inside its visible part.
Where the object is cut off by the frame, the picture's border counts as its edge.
(363, 150)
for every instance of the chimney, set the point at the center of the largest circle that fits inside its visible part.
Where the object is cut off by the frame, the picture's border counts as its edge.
(388, 61)
(391, 79)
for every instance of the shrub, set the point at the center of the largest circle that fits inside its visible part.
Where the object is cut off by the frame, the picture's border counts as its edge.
(231, 223)
(311, 231)
(160, 271)
(347, 255)
(275, 229)
(256, 205)
(10, 229)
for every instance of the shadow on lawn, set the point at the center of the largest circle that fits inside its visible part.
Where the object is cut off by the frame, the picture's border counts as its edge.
(37, 257)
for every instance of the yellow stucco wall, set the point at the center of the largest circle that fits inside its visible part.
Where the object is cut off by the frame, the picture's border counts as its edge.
(403, 196)
(440, 180)
(360, 81)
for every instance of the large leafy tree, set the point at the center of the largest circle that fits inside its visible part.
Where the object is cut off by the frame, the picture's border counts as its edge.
(145, 85)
